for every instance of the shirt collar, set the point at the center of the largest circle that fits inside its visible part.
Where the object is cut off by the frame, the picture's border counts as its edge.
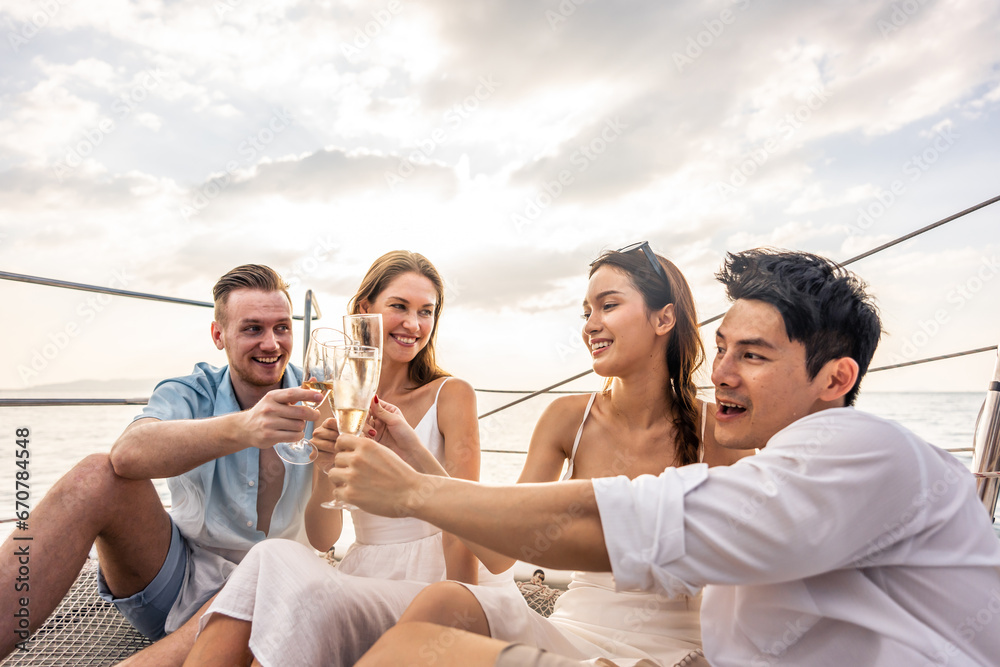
(225, 396)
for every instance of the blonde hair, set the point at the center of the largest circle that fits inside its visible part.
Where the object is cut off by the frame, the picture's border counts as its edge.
(246, 276)
(423, 369)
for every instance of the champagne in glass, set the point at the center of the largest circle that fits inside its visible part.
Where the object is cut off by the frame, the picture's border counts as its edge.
(355, 379)
(365, 329)
(317, 371)
(320, 386)
(349, 420)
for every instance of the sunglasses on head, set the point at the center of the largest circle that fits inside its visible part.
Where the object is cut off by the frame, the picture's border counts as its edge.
(650, 255)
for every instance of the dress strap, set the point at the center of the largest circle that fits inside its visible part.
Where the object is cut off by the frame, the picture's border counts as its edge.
(579, 433)
(440, 386)
(704, 419)
(704, 422)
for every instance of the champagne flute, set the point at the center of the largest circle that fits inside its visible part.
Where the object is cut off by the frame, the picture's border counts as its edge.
(317, 369)
(354, 379)
(365, 329)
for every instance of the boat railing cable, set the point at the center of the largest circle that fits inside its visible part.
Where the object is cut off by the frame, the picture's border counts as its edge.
(66, 284)
(978, 350)
(988, 348)
(536, 393)
(52, 402)
(311, 303)
(915, 362)
(63, 402)
(933, 225)
(49, 282)
(867, 253)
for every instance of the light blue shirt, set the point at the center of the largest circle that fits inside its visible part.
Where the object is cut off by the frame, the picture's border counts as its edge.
(215, 504)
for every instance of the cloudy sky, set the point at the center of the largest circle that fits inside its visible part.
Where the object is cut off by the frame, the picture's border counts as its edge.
(152, 146)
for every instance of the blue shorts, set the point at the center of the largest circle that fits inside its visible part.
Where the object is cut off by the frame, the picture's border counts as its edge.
(147, 610)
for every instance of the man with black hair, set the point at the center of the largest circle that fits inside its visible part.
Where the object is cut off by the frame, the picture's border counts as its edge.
(848, 540)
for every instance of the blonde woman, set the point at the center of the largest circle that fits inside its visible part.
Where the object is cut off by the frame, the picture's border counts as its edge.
(285, 606)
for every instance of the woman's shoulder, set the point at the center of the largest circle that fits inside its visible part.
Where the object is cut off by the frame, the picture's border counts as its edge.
(454, 395)
(553, 437)
(450, 388)
(566, 409)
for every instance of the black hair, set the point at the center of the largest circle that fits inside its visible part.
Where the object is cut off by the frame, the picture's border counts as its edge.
(824, 306)
(685, 351)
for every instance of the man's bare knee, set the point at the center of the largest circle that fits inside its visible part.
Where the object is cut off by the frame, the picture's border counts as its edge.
(92, 478)
(100, 496)
(123, 518)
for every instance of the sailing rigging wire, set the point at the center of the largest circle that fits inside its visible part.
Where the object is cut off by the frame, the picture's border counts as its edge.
(53, 402)
(5, 275)
(915, 362)
(83, 287)
(868, 253)
(989, 348)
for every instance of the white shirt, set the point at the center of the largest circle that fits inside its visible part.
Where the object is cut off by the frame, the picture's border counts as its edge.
(847, 541)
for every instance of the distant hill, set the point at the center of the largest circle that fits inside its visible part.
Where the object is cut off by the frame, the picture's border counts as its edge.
(118, 388)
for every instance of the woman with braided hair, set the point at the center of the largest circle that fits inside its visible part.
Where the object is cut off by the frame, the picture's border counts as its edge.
(641, 329)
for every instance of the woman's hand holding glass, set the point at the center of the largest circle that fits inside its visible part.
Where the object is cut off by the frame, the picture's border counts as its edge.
(375, 477)
(403, 440)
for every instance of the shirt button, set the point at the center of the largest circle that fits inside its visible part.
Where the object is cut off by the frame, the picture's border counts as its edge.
(249, 524)
(251, 482)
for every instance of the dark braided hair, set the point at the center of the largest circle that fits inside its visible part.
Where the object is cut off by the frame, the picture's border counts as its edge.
(685, 351)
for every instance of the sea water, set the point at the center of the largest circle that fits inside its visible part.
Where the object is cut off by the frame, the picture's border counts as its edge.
(61, 436)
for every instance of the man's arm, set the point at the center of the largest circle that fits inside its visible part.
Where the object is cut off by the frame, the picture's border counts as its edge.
(766, 519)
(407, 445)
(152, 449)
(554, 525)
(551, 439)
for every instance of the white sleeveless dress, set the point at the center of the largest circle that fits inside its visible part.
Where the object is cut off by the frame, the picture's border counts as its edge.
(312, 613)
(591, 620)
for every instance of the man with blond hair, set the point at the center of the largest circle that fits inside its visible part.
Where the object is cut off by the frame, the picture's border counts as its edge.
(211, 435)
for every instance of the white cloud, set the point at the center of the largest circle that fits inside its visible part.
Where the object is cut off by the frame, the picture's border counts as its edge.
(792, 123)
